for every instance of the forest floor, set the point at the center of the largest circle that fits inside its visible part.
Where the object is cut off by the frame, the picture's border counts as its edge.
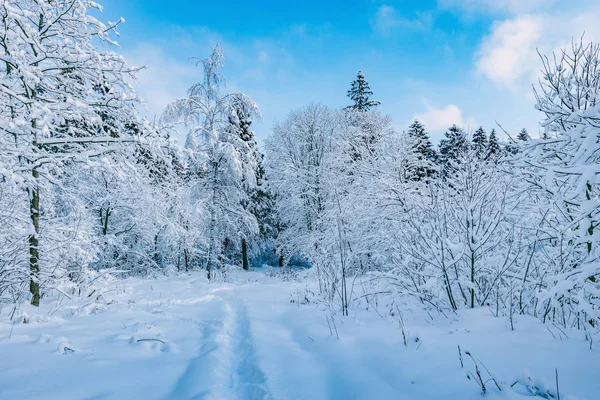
(184, 338)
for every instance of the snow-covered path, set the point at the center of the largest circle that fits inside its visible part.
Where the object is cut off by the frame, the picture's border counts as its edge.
(182, 338)
(225, 367)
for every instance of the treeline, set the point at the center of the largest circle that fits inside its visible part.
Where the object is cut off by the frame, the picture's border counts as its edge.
(474, 223)
(89, 188)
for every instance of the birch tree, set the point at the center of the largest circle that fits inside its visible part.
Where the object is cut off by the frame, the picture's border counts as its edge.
(219, 167)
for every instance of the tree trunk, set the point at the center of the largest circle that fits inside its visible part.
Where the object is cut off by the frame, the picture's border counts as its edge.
(209, 259)
(34, 256)
(187, 260)
(245, 254)
(472, 280)
(104, 220)
(156, 253)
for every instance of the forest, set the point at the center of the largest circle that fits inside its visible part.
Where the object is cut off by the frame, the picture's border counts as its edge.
(358, 214)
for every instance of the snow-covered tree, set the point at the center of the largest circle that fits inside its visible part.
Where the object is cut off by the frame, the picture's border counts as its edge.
(480, 142)
(565, 170)
(523, 135)
(298, 156)
(222, 167)
(459, 235)
(454, 144)
(62, 103)
(569, 86)
(493, 150)
(424, 150)
(360, 93)
(258, 201)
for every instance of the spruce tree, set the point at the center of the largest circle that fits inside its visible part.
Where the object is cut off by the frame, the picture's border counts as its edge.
(360, 93)
(453, 145)
(523, 135)
(259, 201)
(426, 154)
(513, 147)
(480, 142)
(493, 148)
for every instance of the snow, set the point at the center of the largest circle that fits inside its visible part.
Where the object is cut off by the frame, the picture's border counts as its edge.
(257, 337)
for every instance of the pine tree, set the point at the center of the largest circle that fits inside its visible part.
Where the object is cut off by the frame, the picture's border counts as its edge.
(480, 143)
(493, 148)
(523, 135)
(360, 93)
(426, 154)
(453, 145)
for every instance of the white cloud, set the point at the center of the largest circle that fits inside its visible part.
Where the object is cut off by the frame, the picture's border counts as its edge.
(387, 19)
(439, 119)
(508, 55)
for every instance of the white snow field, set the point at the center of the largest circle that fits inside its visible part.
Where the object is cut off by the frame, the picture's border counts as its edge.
(185, 338)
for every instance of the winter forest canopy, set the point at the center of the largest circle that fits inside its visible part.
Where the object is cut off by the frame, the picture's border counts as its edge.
(92, 192)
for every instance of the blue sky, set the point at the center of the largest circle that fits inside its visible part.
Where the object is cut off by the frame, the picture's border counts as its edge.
(470, 62)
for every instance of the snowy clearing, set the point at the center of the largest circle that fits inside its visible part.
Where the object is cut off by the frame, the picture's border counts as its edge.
(185, 338)
(186, 255)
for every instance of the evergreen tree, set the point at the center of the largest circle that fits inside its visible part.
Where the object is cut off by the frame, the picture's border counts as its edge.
(360, 93)
(545, 135)
(426, 154)
(513, 146)
(523, 135)
(493, 147)
(258, 201)
(480, 143)
(453, 145)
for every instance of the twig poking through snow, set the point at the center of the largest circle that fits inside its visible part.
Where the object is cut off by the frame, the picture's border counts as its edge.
(478, 378)
(335, 327)
(150, 340)
(11, 328)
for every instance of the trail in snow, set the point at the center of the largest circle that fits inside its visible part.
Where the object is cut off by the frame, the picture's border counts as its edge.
(225, 367)
(198, 378)
(182, 338)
